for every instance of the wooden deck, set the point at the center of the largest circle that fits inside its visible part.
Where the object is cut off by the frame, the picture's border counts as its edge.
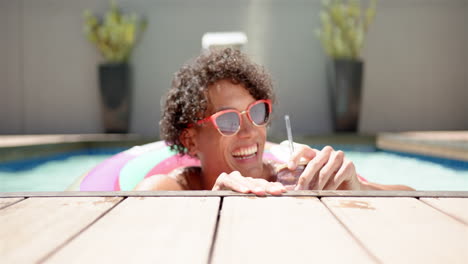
(442, 144)
(226, 227)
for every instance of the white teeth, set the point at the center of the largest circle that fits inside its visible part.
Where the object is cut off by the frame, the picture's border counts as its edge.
(246, 151)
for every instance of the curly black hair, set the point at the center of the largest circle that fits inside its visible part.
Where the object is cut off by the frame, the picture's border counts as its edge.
(186, 101)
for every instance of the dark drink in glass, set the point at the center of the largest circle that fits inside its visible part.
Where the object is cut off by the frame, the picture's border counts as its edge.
(289, 177)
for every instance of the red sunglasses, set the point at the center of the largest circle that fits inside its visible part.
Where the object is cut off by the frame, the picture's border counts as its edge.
(228, 122)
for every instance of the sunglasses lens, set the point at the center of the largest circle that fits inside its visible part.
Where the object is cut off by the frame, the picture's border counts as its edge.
(260, 113)
(228, 123)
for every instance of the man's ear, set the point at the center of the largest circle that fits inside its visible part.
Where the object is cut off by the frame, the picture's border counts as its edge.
(187, 137)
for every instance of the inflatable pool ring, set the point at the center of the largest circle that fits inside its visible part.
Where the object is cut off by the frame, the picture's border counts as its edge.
(123, 171)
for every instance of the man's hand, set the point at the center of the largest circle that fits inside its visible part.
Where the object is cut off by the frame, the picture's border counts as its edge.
(236, 182)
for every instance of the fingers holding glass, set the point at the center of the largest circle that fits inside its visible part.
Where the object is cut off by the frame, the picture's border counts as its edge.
(310, 176)
(328, 171)
(302, 155)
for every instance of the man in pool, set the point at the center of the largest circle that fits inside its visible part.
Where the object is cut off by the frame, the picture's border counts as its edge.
(217, 110)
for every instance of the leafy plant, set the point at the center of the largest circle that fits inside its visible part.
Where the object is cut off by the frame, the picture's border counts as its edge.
(116, 35)
(344, 26)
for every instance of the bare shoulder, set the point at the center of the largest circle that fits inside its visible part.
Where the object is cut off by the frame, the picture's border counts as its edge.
(159, 182)
(186, 178)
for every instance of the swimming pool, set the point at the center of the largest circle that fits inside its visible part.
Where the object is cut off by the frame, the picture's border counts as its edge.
(59, 172)
(50, 173)
(419, 173)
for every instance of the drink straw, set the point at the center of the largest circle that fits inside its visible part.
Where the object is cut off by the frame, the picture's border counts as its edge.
(288, 130)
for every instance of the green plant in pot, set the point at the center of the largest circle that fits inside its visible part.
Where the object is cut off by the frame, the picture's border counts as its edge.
(115, 37)
(344, 25)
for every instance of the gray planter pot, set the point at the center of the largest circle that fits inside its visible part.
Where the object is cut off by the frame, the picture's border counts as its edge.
(345, 80)
(114, 86)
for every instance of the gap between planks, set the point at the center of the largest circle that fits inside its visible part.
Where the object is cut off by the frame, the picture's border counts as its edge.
(358, 241)
(66, 242)
(6, 202)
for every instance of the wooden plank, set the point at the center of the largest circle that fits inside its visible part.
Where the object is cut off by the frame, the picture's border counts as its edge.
(403, 230)
(282, 230)
(231, 193)
(147, 230)
(4, 202)
(446, 144)
(455, 207)
(29, 230)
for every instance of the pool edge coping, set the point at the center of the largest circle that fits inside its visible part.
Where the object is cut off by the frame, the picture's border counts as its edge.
(413, 194)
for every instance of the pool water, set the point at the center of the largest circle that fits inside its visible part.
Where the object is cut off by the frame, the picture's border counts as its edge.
(53, 175)
(58, 174)
(389, 168)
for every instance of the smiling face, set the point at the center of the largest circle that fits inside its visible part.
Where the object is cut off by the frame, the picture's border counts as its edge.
(241, 152)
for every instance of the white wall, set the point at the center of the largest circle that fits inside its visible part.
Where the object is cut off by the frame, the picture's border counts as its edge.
(48, 80)
(466, 65)
(11, 89)
(416, 62)
(416, 67)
